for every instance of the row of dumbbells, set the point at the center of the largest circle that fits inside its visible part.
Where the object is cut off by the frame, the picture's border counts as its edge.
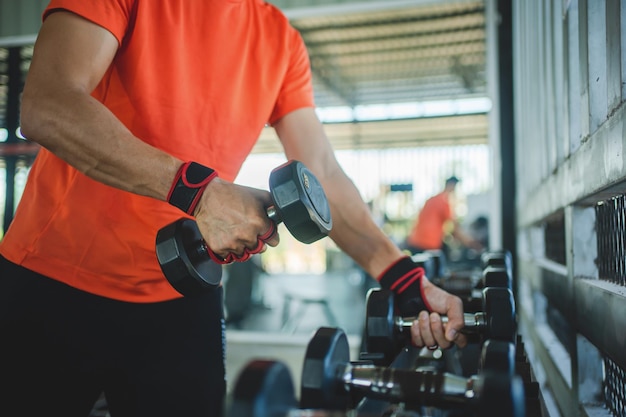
(496, 275)
(489, 306)
(332, 385)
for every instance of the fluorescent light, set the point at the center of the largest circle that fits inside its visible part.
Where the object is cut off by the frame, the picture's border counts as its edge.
(408, 110)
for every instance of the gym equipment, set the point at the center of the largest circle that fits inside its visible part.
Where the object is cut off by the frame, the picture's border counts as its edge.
(298, 201)
(329, 381)
(501, 258)
(497, 276)
(498, 356)
(386, 333)
(264, 388)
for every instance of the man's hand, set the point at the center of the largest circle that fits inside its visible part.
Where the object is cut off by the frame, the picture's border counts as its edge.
(431, 331)
(232, 218)
(414, 295)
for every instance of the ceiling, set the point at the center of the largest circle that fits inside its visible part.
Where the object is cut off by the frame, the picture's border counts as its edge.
(401, 54)
(435, 50)
(394, 51)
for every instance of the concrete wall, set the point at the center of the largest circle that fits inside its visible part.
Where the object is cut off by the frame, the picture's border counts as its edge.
(570, 78)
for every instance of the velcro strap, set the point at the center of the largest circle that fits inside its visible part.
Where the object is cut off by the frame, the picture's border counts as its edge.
(188, 186)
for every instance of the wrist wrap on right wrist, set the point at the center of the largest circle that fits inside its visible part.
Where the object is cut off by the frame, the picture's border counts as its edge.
(188, 186)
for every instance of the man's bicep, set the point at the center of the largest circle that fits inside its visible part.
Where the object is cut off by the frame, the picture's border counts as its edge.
(71, 53)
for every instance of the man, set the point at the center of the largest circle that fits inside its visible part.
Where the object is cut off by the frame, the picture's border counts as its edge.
(129, 100)
(434, 218)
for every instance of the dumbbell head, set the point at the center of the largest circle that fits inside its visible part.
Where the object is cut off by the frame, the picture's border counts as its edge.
(264, 388)
(497, 276)
(382, 341)
(498, 356)
(321, 386)
(502, 258)
(300, 202)
(499, 309)
(501, 395)
(181, 255)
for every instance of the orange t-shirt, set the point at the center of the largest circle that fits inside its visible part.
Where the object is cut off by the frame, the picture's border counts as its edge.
(428, 230)
(197, 79)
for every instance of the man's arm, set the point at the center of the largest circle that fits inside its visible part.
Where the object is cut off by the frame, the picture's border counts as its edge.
(71, 56)
(354, 229)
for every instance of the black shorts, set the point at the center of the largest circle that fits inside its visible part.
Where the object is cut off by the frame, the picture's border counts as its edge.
(60, 348)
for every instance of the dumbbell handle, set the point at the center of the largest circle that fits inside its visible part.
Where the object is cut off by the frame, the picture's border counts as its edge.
(202, 251)
(422, 386)
(273, 214)
(472, 321)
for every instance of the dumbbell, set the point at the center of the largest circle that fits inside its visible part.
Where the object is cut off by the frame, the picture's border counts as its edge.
(497, 276)
(386, 333)
(500, 356)
(264, 388)
(298, 201)
(329, 380)
(498, 258)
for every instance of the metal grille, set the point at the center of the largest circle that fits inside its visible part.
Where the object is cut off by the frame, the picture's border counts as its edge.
(615, 388)
(611, 235)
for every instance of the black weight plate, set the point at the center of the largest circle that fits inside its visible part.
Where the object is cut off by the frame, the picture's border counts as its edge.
(183, 262)
(321, 384)
(502, 258)
(316, 195)
(500, 395)
(497, 276)
(264, 388)
(307, 220)
(498, 356)
(379, 324)
(499, 308)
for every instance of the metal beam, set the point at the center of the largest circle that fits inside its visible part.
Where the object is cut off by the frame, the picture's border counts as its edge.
(22, 40)
(601, 310)
(312, 8)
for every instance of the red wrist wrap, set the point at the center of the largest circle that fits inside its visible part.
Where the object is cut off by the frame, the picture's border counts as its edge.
(403, 274)
(188, 186)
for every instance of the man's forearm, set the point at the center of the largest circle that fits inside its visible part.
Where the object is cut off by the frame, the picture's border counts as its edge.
(85, 134)
(59, 112)
(354, 229)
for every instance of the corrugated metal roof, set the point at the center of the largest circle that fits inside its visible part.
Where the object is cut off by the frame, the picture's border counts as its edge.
(420, 53)
(402, 54)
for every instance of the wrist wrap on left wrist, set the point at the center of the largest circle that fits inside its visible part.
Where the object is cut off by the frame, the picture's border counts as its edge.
(404, 278)
(188, 186)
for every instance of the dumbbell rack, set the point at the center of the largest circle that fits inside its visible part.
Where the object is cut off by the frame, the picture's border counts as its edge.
(411, 358)
(494, 265)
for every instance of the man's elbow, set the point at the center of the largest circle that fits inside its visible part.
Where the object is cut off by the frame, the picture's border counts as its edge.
(35, 118)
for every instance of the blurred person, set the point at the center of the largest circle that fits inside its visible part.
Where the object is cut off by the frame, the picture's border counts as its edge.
(434, 219)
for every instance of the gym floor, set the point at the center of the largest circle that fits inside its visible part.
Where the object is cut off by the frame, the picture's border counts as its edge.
(285, 311)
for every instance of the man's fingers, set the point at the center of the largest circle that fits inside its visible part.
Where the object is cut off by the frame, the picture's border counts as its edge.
(454, 311)
(425, 330)
(437, 328)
